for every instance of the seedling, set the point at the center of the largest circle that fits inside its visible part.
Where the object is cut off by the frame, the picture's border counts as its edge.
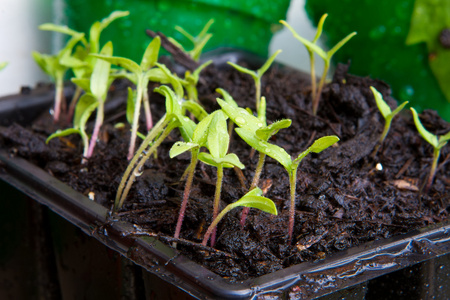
(258, 129)
(218, 142)
(199, 139)
(82, 51)
(97, 89)
(256, 75)
(387, 114)
(56, 67)
(252, 199)
(312, 48)
(140, 75)
(3, 65)
(171, 120)
(438, 142)
(291, 165)
(198, 41)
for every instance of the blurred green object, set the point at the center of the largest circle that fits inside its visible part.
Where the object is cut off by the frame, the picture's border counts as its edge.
(379, 50)
(247, 25)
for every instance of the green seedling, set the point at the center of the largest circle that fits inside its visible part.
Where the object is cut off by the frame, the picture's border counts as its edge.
(96, 91)
(218, 142)
(438, 142)
(258, 129)
(3, 65)
(256, 75)
(252, 199)
(198, 41)
(56, 67)
(387, 114)
(171, 120)
(291, 165)
(199, 139)
(85, 106)
(140, 75)
(312, 47)
(191, 79)
(87, 47)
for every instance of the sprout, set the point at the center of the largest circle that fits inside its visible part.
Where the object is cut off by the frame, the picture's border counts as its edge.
(312, 48)
(140, 75)
(437, 142)
(256, 75)
(387, 114)
(280, 155)
(251, 199)
(198, 41)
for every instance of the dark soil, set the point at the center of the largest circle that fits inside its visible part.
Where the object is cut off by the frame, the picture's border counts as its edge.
(345, 195)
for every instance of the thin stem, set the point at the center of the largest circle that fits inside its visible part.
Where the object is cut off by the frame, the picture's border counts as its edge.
(187, 191)
(254, 184)
(152, 134)
(97, 126)
(319, 90)
(59, 97)
(258, 92)
(134, 127)
(217, 200)
(292, 181)
(215, 222)
(313, 75)
(73, 103)
(148, 113)
(436, 153)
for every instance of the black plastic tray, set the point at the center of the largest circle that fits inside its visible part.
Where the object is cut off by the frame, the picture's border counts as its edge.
(311, 279)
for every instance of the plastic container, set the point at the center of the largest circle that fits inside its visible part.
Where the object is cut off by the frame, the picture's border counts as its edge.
(379, 50)
(247, 25)
(356, 273)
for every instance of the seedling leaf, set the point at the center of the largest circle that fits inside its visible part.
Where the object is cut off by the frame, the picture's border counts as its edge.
(181, 147)
(428, 136)
(150, 56)
(318, 146)
(266, 132)
(382, 105)
(196, 109)
(218, 138)
(100, 75)
(268, 62)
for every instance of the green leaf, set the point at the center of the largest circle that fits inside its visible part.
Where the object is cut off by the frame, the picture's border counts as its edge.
(84, 83)
(62, 133)
(172, 104)
(320, 28)
(399, 108)
(181, 147)
(339, 45)
(151, 53)
(100, 74)
(318, 146)
(157, 75)
(200, 134)
(114, 16)
(267, 64)
(227, 97)
(218, 138)
(262, 111)
(121, 62)
(231, 160)
(196, 109)
(243, 70)
(3, 65)
(382, 105)
(240, 116)
(84, 108)
(59, 28)
(228, 161)
(259, 202)
(274, 151)
(131, 104)
(443, 139)
(428, 136)
(266, 132)
(173, 80)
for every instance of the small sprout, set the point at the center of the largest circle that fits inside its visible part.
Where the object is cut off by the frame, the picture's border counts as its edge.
(256, 75)
(387, 114)
(56, 67)
(199, 41)
(140, 76)
(217, 143)
(291, 166)
(437, 142)
(253, 199)
(312, 48)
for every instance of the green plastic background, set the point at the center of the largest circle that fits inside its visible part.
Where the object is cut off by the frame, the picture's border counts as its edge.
(247, 25)
(379, 49)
